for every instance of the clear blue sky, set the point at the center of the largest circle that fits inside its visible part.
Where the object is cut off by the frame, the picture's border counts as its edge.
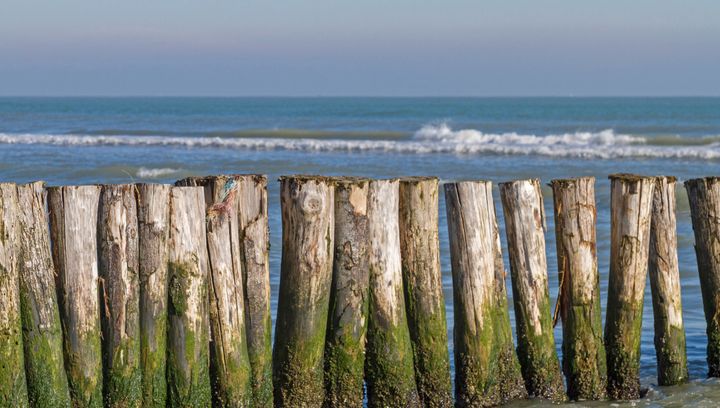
(360, 47)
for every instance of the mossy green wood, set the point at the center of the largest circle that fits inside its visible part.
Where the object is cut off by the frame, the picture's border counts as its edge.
(584, 361)
(153, 235)
(487, 370)
(120, 295)
(42, 332)
(422, 282)
(704, 197)
(631, 205)
(13, 386)
(389, 368)
(305, 279)
(347, 319)
(73, 227)
(665, 286)
(525, 228)
(188, 363)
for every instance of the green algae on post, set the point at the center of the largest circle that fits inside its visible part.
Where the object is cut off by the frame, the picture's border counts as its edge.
(305, 278)
(665, 286)
(525, 228)
(422, 279)
(73, 228)
(389, 368)
(42, 332)
(584, 362)
(631, 207)
(487, 370)
(188, 364)
(347, 318)
(704, 195)
(13, 386)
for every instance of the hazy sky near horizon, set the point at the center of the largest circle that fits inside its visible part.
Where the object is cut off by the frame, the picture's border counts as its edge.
(367, 47)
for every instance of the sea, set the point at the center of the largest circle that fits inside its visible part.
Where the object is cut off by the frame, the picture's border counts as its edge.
(146, 139)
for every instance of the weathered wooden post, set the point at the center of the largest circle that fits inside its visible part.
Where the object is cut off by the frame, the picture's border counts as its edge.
(347, 319)
(120, 295)
(584, 361)
(229, 364)
(254, 244)
(42, 330)
(704, 195)
(487, 370)
(13, 387)
(631, 206)
(665, 286)
(305, 278)
(153, 235)
(188, 364)
(73, 229)
(389, 369)
(525, 228)
(424, 300)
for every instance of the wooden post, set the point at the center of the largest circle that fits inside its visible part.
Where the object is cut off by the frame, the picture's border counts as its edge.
(42, 332)
(73, 228)
(120, 295)
(424, 300)
(347, 319)
(704, 195)
(305, 278)
(254, 244)
(389, 369)
(229, 364)
(631, 205)
(153, 232)
(665, 286)
(487, 370)
(13, 387)
(188, 364)
(584, 361)
(525, 228)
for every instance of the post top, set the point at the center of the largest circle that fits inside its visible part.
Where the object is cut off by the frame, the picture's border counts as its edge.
(632, 178)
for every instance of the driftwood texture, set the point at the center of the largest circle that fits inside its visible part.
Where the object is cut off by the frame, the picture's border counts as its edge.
(631, 205)
(424, 300)
(704, 195)
(584, 362)
(153, 235)
(347, 319)
(13, 387)
(665, 286)
(42, 331)
(525, 228)
(389, 370)
(229, 364)
(188, 364)
(73, 228)
(120, 295)
(305, 278)
(487, 370)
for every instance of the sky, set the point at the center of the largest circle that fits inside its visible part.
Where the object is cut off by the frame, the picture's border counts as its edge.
(360, 47)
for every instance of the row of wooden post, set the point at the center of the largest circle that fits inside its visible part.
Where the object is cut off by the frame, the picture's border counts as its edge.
(153, 295)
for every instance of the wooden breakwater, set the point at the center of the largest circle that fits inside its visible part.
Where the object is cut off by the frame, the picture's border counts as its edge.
(158, 295)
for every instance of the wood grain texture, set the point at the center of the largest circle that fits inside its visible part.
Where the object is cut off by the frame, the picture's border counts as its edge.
(487, 370)
(584, 360)
(525, 227)
(631, 208)
(422, 280)
(665, 286)
(305, 277)
(73, 227)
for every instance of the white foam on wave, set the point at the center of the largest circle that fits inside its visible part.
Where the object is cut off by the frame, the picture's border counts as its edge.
(144, 172)
(429, 139)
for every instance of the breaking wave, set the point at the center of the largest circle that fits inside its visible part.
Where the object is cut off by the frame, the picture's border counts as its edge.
(436, 138)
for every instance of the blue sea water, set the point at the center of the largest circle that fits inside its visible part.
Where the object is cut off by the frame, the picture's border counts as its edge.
(118, 140)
